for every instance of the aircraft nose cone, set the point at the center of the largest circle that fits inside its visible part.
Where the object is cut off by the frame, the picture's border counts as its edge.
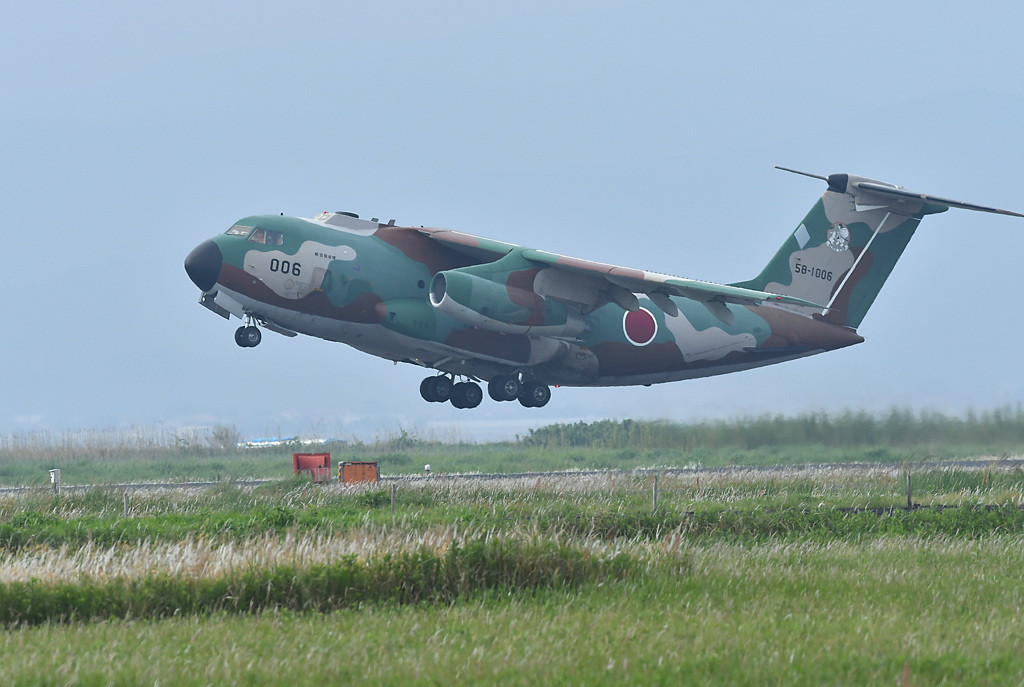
(203, 264)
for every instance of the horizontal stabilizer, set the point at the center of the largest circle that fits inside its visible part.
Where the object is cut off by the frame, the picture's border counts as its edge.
(897, 192)
(845, 183)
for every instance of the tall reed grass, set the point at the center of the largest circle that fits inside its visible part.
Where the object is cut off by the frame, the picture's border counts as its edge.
(463, 568)
(847, 428)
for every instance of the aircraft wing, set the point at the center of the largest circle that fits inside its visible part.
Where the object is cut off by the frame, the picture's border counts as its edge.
(623, 282)
(476, 247)
(592, 284)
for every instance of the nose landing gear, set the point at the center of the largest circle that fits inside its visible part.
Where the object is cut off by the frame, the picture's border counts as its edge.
(248, 336)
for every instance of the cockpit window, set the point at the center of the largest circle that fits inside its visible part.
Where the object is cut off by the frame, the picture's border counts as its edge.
(238, 230)
(267, 237)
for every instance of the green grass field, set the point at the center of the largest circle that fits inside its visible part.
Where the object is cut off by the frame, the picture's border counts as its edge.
(943, 610)
(772, 576)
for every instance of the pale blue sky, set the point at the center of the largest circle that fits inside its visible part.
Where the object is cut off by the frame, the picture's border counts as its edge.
(640, 135)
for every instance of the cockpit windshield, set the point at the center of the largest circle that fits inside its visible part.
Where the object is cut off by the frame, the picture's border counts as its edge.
(267, 237)
(238, 230)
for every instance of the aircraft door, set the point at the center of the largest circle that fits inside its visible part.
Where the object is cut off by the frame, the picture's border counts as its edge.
(316, 281)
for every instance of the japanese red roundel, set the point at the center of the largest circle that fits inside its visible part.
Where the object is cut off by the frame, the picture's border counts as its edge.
(640, 327)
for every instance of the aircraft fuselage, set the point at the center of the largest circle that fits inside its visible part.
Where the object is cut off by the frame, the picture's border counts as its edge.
(368, 285)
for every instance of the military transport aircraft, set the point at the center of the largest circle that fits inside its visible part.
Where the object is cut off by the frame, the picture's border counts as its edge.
(476, 309)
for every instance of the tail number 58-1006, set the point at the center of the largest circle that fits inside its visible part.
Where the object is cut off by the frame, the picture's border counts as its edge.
(816, 272)
(285, 267)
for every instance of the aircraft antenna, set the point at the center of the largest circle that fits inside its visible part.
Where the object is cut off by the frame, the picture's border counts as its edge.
(806, 174)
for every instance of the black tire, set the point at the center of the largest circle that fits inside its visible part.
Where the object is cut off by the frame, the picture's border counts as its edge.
(458, 395)
(252, 336)
(440, 388)
(510, 388)
(472, 395)
(535, 395)
(427, 390)
(504, 388)
(240, 337)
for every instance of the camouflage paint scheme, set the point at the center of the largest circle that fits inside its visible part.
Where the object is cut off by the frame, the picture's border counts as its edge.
(480, 308)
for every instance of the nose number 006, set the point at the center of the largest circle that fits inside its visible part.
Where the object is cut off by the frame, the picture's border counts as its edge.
(285, 267)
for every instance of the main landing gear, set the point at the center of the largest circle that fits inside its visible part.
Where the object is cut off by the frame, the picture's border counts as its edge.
(440, 389)
(248, 336)
(530, 393)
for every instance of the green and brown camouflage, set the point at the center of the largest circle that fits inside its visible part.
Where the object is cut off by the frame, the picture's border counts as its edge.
(524, 319)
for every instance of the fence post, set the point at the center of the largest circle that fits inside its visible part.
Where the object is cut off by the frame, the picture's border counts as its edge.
(654, 492)
(393, 487)
(910, 502)
(124, 495)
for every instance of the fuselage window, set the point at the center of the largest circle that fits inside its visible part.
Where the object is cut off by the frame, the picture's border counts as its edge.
(238, 230)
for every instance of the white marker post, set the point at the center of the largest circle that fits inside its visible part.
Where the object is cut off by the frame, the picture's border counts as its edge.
(55, 481)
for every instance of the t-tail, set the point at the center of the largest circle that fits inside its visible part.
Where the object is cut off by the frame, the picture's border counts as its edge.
(844, 249)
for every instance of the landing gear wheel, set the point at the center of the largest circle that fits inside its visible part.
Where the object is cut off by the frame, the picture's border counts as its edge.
(466, 395)
(240, 337)
(436, 389)
(427, 391)
(442, 388)
(534, 395)
(252, 336)
(504, 388)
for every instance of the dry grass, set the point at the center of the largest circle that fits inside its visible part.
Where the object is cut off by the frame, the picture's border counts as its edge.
(198, 558)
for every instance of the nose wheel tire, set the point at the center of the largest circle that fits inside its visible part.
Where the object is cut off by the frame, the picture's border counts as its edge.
(504, 388)
(466, 395)
(436, 389)
(534, 395)
(248, 337)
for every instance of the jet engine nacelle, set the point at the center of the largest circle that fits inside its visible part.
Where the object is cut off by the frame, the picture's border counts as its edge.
(501, 306)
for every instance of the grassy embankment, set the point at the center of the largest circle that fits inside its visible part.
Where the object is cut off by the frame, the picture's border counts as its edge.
(158, 455)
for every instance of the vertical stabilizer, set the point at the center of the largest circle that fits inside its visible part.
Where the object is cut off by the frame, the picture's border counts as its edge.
(844, 249)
